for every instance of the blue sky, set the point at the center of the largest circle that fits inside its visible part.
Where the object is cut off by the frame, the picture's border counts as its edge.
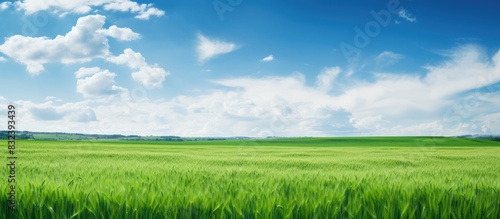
(252, 68)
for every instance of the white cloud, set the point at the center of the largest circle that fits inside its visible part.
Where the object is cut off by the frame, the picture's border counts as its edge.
(277, 90)
(142, 11)
(407, 16)
(146, 74)
(468, 69)
(133, 60)
(122, 34)
(150, 76)
(439, 102)
(388, 58)
(46, 114)
(326, 78)
(408, 101)
(86, 41)
(51, 98)
(209, 48)
(146, 13)
(85, 72)
(283, 106)
(37, 115)
(370, 123)
(82, 44)
(94, 82)
(268, 58)
(5, 5)
(3, 59)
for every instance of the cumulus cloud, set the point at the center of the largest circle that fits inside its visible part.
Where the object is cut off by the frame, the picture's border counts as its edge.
(276, 90)
(326, 77)
(46, 113)
(94, 82)
(79, 112)
(142, 11)
(5, 5)
(3, 59)
(282, 106)
(209, 48)
(133, 60)
(85, 72)
(122, 34)
(151, 76)
(235, 110)
(268, 58)
(146, 13)
(85, 42)
(407, 16)
(82, 44)
(457, 96)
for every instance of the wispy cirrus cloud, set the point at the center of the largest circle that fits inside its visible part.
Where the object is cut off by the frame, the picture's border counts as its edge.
(388, 58)
(209, 48)
(268, 58)
(407, 16)
(408, 100)
(325, 79)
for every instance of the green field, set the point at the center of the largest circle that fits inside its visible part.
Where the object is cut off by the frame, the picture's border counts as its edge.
(372, 177)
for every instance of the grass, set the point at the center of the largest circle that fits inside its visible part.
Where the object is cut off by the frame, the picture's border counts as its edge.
(383, 177)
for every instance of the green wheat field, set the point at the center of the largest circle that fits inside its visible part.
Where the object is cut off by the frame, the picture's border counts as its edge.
(370, 177)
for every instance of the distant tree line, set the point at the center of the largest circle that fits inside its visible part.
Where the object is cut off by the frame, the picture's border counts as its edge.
(493, 138)
(484, 137)
(25, 135)
(4, 135)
